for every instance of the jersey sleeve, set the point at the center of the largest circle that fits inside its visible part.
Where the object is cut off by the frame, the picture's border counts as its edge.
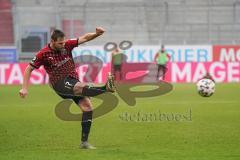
(71, 43)
(37, 61)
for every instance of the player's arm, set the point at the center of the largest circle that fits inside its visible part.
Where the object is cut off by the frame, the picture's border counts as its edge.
(27, 73)
(90, 36)
(169, 57)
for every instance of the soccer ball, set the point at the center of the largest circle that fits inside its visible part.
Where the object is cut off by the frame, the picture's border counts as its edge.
(205, 87)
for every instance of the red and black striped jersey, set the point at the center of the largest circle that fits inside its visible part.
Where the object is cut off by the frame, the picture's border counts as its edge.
(58, 64)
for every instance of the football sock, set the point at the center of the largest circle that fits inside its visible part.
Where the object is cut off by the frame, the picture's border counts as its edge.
(93, 91)
(86, 125)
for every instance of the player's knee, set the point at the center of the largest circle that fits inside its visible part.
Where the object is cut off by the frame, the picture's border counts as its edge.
(86, 105)
(77, 89)
(86, 108)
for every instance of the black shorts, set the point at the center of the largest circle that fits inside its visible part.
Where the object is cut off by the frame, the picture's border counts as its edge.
(162, 67)
(64, 88)
(117, 67)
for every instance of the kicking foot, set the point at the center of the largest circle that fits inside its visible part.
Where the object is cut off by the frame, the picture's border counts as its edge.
(110, 86)
(86, 145)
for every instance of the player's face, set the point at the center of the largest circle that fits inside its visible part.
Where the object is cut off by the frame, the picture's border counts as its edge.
(59, 43)
(162, 49)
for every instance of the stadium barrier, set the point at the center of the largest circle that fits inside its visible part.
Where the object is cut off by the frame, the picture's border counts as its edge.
(187, 65)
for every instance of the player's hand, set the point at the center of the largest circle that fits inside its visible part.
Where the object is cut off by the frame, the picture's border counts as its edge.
(99, 30)
(23, 93)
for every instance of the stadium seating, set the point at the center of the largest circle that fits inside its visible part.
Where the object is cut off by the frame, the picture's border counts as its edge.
(149, 22)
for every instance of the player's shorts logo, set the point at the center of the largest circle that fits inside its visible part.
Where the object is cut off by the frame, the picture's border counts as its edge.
(68, 85)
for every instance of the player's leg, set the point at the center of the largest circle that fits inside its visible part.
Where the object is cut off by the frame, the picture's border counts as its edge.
(161, 71)
(158, 71)
(64, 88)
(164, 68)
(70, 87)
(114, 70)
(120, 71)
(83, 89)
(117, 72)
(86, 106)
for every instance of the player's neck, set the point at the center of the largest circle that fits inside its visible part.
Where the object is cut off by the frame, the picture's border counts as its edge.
(52, 47)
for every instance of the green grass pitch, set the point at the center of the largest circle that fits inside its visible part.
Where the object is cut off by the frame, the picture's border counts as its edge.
(29, 128)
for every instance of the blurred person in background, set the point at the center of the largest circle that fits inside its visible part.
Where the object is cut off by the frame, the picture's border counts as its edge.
(161, 59)
(117, 60)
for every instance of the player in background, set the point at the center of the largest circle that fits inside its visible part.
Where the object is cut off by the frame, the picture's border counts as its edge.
(117, 60)
(56, 57)
(161, 59)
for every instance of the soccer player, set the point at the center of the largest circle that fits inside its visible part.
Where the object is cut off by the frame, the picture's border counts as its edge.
(117, 60)
(58, 62)
(161, 59)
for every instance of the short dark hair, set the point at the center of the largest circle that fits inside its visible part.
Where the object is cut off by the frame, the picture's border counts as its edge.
(57, 34)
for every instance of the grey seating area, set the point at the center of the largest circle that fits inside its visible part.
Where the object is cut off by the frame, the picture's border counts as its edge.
(144, 22)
